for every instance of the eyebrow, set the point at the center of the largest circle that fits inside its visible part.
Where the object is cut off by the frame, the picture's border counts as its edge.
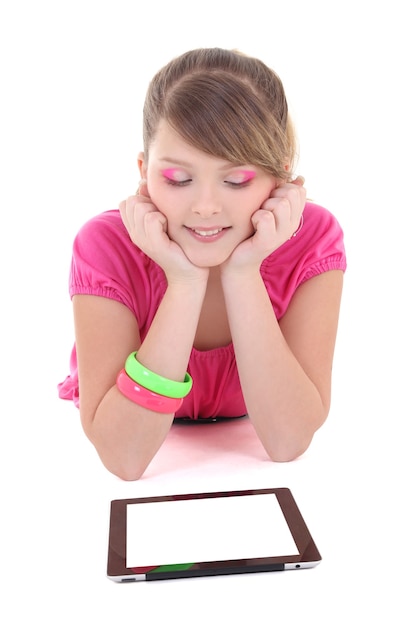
(172, 161)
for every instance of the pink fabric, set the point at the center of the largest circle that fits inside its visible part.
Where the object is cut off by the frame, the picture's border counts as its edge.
(106, 263)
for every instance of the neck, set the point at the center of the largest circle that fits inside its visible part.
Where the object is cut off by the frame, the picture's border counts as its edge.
(214, 276)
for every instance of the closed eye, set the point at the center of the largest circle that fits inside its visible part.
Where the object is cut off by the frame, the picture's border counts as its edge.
(245, 183)
(182, 183)
(177, 183)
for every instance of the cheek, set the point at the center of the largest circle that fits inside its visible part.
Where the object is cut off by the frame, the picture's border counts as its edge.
(253, 203)
(243, 217)
(163, 199)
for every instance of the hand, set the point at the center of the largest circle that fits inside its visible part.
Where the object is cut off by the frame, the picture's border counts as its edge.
(286, 203)
(275, 222)
(147, 228)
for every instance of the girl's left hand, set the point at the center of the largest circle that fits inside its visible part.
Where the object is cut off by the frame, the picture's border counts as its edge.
(275, 222)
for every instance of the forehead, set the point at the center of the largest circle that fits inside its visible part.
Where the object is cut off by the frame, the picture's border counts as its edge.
(167, 136)
(168, 145)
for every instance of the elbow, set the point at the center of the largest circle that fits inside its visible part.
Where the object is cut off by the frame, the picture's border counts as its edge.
(287, 451)
(285, 456)
(128, 465)
(128, 472)
(289, 437)
(128, 475)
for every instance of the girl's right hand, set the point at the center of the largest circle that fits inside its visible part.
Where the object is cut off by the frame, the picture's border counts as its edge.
(147, 228)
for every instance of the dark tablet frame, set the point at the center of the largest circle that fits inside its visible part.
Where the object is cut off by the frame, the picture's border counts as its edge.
(308, 555)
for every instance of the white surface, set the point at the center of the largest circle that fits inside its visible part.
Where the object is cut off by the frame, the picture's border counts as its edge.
(73, 78)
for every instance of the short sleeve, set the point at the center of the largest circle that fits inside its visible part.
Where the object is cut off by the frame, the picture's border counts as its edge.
(105, 262)
(318, 247)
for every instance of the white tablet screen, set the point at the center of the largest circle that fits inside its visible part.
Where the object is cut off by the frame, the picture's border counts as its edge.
(206, 529)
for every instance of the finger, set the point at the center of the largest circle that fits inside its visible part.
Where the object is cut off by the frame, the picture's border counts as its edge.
(291, 197)
(263, 218)
(122, 210)
(141, 204)
(277, 203)
(131, 209)
(299, 181)
(142, 189)
(154, 221)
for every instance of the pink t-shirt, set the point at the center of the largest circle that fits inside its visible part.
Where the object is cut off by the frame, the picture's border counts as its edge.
(106, 263)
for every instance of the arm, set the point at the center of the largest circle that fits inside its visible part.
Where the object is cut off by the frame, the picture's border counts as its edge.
(284, 368)
(126, 435)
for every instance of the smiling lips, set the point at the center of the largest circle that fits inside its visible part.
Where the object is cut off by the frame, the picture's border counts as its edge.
(211, 233)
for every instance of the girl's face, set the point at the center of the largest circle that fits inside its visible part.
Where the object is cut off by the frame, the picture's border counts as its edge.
(208, 202)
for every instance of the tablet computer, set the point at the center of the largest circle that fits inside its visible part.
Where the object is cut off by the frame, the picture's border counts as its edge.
(207, 534)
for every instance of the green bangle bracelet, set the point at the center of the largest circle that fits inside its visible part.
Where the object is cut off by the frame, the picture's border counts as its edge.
(153, 382)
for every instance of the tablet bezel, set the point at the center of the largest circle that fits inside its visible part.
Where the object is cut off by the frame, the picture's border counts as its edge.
(307, 557)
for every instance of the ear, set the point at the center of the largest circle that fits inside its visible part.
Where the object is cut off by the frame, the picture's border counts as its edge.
(141, 165)
(287, 168)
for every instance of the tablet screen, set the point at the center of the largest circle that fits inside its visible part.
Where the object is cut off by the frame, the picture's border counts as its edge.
(207, 529)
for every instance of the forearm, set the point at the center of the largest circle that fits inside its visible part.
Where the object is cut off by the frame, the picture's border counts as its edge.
(283, 403)
(126, 435)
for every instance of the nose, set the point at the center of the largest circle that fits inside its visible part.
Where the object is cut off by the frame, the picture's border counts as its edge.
(206, 203)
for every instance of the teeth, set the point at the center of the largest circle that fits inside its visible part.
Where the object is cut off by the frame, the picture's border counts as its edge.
(207, 233)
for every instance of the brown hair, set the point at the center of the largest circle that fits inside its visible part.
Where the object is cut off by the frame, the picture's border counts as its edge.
(227, 104)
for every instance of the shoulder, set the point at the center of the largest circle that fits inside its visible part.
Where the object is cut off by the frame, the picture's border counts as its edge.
(102, 227)
(319, 221)
(319, 236)
(317, 247)
(104, 241)
(102, 248)
(105, 262)
(321, 245)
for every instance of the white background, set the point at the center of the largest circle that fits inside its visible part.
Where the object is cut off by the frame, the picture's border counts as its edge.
(73, 78)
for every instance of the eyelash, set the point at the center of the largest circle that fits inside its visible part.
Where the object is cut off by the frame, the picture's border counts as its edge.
(245, 183)
(182, 183)
(176, 183)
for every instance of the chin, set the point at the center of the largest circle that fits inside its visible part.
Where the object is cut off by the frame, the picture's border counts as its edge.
(207, 260)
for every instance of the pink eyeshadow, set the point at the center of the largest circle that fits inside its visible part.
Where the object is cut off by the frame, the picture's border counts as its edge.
(170, 172)
(247, 175)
